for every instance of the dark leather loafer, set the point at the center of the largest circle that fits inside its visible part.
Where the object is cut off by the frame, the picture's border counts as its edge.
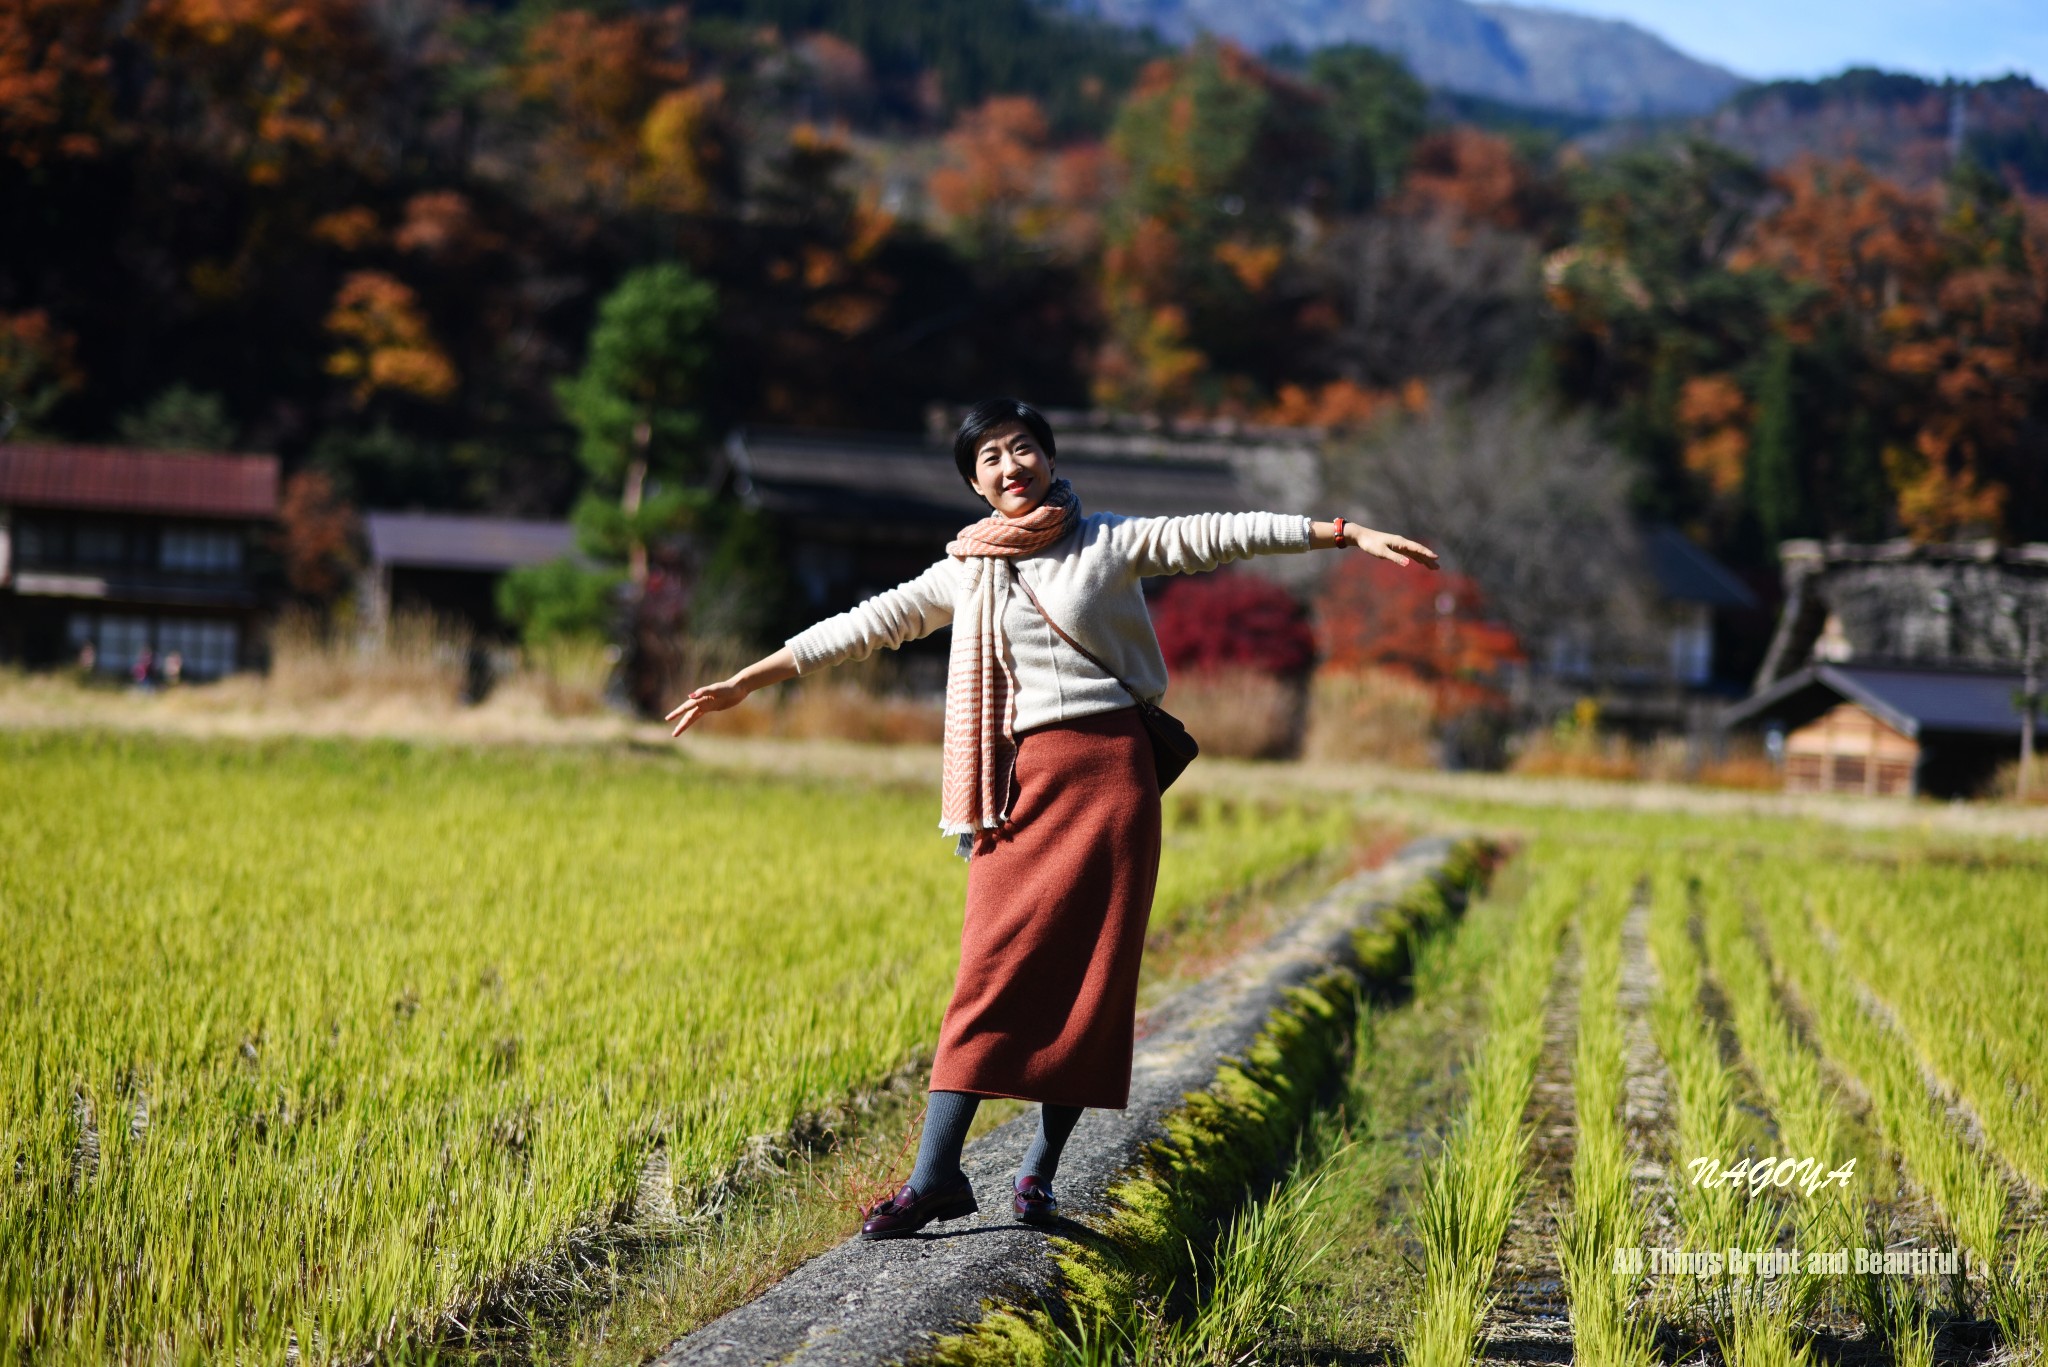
(907, 1212)
(1034, 1201)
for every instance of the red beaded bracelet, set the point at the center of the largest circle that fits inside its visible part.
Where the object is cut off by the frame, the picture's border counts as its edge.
(1340, 534)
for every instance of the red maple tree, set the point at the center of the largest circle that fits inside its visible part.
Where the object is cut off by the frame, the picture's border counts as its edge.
(1374, 614)
(1230, 618)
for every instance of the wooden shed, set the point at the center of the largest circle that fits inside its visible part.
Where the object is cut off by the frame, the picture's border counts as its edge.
(1847, 750)
(1888, 731)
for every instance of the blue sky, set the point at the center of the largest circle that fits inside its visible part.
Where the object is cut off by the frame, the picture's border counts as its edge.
(1771, 38)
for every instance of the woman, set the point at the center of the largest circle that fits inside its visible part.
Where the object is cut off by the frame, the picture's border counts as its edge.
(1048, 782)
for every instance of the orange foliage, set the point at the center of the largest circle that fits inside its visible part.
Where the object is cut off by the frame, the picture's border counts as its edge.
(1191, 181)
(291, 74)
(1252, 263)
(1337, 404)
(385, 341)
(52, 68)
(994, 161)
(316, 535)
(1862, 238)
(442, 223)
(1147, 361)
(1951, 320)
(350, 229)
(1715, 415)
(1469, 173)
(36, 365)
(601, 79)
(1374, 614)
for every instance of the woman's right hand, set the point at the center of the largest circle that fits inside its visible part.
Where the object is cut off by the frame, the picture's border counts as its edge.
(709, 698)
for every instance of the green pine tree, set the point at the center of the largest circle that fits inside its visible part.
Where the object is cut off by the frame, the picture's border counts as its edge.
(1773, 491)
(634, 404)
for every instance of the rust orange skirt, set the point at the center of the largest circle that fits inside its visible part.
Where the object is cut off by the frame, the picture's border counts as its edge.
(1057, 903)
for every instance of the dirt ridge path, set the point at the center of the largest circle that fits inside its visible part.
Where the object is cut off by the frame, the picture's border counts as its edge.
(886, 1301)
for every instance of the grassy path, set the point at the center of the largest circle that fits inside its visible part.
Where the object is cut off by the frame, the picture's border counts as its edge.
(1605, 1216)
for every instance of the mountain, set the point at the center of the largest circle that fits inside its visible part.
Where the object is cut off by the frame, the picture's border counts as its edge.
(1542, 58)
(1905, 127)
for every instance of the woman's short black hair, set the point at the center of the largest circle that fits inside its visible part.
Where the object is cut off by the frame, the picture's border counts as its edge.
(992, 415)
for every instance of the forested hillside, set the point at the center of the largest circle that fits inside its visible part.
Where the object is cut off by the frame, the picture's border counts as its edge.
(374, 237)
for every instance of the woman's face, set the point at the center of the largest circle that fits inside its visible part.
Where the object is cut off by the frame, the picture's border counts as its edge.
(1012, 471)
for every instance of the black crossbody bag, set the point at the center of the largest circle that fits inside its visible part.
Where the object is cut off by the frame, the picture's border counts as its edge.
(1173, 749)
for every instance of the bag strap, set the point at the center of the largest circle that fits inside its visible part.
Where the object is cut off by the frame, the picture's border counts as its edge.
(1019, 577)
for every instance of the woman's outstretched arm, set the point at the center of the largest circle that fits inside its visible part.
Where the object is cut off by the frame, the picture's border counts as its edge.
(1385, 545)
(1195, 542)
(913, 609)
(716, 697)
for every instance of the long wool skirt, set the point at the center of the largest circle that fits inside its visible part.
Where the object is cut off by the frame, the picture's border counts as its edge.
(1057, 902)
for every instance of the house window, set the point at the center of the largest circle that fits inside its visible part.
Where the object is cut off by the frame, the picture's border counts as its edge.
(116, 641)
(99, 545)
(1692, 650)
(202, 550)
(206, 650)
(37, 544)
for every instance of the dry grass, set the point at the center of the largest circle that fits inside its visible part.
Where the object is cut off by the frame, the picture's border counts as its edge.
(1580, 752)
(420, 658)
(564, 678)
(2005, 783)
(832, 710)
(1371, 714)
(1239, 713)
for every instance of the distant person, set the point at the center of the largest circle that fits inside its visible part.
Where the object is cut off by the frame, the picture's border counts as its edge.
(174, 669)
(1049, 786)
(88, 659)
(143, 671)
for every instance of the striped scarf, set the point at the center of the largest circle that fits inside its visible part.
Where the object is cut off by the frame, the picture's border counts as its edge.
(981, 683)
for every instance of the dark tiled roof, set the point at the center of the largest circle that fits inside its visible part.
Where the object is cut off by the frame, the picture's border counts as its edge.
(119, 480)
(1687, 574)
(448, 541)
(858, 476)
(1913, 702)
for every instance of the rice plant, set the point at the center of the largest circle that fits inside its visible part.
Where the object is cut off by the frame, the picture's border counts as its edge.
(1471, 1189)
(311, 1048)
(1750, 1325)
(1963, 1184)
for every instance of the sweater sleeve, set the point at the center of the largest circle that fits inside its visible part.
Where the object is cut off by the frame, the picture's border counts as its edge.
(917, 607)
(1202, 541)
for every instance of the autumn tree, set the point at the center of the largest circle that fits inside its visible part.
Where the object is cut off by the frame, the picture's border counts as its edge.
(991, 188)
(384, 343)
(54, 99)
(636, 407)
(1211, 150)
(317, 537)
(1374, 113)
(1232, 618)
(1435, 629)
(1533, 508)
(37, 365)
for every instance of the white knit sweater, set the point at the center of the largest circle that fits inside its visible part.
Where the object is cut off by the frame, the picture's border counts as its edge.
(1088, 581)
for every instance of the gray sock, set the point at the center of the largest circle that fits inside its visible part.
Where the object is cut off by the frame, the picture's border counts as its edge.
(1055, 1123)
(946, 1118)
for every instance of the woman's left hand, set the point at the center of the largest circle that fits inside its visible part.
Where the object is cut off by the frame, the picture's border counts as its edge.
(1387, 546)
